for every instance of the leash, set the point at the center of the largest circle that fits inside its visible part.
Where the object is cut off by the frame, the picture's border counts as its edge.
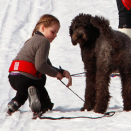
(80, 74)
(107, 114)
(112, 75)
(72, 90)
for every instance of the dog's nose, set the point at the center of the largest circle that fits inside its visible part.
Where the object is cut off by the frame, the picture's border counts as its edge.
(79, 35)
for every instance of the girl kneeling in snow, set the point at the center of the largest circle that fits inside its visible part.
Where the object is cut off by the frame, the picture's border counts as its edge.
(27, 71)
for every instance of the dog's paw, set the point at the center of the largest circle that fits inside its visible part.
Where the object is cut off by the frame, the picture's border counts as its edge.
(88, 108)
(99, 110)
(82, 109)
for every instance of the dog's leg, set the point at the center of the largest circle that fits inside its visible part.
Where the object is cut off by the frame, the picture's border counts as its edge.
(102, 92)
(89, 91)
(126, 90)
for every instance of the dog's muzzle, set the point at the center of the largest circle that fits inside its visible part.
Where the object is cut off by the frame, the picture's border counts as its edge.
(79, 36)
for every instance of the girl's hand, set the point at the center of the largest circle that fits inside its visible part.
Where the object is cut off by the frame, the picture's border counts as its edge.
(68, 76)
(59, 76)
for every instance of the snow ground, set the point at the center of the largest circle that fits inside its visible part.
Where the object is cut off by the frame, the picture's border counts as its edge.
(17, 20)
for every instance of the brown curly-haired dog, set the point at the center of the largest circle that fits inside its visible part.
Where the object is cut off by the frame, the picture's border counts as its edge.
(103, 51)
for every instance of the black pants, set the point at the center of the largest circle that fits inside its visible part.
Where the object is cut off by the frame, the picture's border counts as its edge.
(21, 84)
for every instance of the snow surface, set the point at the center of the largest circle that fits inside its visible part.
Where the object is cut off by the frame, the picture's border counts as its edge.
(17, 20)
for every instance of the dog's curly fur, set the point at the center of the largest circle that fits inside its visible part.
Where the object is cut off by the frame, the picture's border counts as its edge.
(103, 51)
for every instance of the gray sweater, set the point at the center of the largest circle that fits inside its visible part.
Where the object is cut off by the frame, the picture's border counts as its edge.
(36, 51)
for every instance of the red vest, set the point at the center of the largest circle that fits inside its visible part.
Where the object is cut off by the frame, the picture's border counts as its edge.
(24, 66)
(127, 4)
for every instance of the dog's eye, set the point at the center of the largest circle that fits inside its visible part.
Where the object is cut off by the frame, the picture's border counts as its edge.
(85, 27)
(76, 27)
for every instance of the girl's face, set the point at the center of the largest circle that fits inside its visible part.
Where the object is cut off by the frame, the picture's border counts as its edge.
(50, 32)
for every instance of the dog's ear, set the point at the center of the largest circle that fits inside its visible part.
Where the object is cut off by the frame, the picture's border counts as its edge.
(70, 30)
(71, 33)
(99, 22)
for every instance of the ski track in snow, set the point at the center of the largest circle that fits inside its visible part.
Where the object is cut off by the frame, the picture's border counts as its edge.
(17, 20)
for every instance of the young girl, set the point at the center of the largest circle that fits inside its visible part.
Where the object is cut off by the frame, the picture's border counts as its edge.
(27, 71)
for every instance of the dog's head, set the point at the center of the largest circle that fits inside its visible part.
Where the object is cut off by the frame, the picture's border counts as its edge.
(82, 30)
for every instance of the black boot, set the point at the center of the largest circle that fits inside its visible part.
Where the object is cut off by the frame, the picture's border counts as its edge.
(47, 107)
(12, 107)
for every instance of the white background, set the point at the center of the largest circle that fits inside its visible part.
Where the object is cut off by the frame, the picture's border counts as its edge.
(17, 21)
